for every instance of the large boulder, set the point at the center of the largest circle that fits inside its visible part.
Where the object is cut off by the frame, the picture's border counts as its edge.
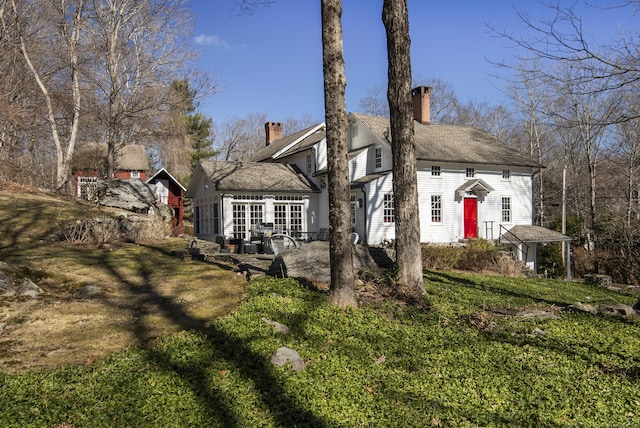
(311, 262)
(132, 195)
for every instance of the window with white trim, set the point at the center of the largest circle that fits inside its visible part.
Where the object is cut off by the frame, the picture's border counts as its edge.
(471, 172)
(388, 210)
(135, 174)
(506, 174)
(239, 221)
(506, 209)
(378, 157)
(436, 171)
(309, 163)
(287, 214)
(87, 187)
(436, 208)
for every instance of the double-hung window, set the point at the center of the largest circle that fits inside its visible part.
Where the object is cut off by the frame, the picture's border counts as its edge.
(388, 210)
(436, 171)
(378, 157)
(436, 208)
(506, 209)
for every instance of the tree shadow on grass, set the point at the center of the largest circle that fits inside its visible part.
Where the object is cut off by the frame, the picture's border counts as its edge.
(464, 282)
(221, 345)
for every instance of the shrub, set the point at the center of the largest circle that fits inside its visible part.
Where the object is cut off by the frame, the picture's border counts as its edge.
(478, 255)
(440, 256)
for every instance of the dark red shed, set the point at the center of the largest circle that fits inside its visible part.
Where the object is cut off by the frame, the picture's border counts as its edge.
(170, 192)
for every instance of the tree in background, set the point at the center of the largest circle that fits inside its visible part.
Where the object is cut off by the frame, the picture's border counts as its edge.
(341, 252)
(48, 37)
(139, 49)
(395, 17)
(187, 134)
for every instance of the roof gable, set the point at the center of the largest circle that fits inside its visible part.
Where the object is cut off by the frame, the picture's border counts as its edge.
(291, 144)
(164, 173)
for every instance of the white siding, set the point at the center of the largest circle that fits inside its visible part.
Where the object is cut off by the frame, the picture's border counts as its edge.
(377, 230)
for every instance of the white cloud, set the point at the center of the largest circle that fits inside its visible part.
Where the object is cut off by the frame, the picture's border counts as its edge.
(211, 40)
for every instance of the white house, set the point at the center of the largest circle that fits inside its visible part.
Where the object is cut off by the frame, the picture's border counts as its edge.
(470, 185)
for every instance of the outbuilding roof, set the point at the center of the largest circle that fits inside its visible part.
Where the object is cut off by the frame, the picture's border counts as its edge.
(530, 233)
(92, 156)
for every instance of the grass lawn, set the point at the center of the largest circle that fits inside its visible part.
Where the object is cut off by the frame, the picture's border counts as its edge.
(465, 360)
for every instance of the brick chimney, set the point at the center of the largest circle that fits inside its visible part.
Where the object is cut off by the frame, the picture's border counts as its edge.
(421, 97)
(273, 131)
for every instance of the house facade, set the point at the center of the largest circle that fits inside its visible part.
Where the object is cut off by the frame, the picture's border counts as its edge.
(470, 185)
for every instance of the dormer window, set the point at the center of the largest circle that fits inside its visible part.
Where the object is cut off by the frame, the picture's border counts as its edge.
(378, 157)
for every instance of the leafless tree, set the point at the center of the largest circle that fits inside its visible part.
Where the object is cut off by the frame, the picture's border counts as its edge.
(239, 138)
(47, 35)
(139, 50)
(395, 17)
(341, 253)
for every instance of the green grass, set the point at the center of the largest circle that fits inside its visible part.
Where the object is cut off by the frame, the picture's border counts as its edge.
(439, 370)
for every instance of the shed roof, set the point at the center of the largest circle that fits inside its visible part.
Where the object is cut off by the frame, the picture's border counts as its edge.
(451, 143)
(164, 173)
(530, 233)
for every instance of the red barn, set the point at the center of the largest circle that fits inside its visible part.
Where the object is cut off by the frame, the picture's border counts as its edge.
(169, 191)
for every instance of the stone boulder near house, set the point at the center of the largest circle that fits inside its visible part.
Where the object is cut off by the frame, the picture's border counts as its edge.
(311, 262)
(130, 194)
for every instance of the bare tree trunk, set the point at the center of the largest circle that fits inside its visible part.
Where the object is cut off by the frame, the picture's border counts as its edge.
(68, 24)
(341, 252)
(395, 17)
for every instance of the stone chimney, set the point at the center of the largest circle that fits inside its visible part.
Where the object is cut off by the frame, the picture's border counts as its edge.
(273, 131)
(421, 97)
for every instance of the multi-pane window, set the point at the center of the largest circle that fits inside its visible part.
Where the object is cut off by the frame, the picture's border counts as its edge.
(280, 217)
(255, 215)
(239, 221)
(135, 174)
(436, 208)
(471, 172)
(287, 214)
(506, 174)
(309, 163)
(378, 157)
(388, 211)
(436, 170)
(87, 187)
(353, 210)
(295, 214)
(216, 219)
(506, 209)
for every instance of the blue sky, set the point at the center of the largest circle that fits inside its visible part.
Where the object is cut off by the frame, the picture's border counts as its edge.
(271, 62)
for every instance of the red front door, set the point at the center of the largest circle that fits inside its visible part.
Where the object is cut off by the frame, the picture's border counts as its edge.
(470, 218)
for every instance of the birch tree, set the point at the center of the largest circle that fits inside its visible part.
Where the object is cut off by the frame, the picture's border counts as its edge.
(139, 51)
(342, 290)
(48, 37)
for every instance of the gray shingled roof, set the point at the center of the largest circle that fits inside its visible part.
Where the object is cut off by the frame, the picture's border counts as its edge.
(529, 233)
(256, 177)
(267, 152)
(450, 143)
(92, 156)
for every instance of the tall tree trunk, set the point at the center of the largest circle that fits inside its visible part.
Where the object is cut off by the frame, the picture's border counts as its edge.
(395, 17)
(342, 276)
